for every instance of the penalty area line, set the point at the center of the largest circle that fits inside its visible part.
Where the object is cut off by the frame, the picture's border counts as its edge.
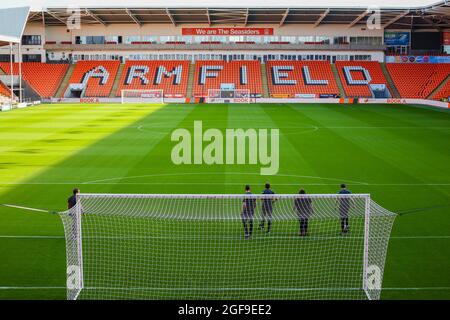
(27, 208)
(24, 208)
(225, 289)
(220, 184)
(31, 288)
(112, 182)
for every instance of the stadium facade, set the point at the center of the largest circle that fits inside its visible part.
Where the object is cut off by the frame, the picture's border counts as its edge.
(95, 53)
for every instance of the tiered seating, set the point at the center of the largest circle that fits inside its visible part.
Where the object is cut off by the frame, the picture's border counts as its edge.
(4, 91)
(289, 78)
(6, 67)
(444, 92)
(356, 89)
(99, 76)
(417, 80)
(44, 78)
(138, 75)
(227, 72)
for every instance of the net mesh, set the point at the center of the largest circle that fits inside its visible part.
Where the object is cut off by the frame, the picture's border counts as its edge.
(226, 247)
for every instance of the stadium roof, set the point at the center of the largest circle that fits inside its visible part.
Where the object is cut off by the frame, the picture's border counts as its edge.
(398, 14)
(12, 24)
(39, 5)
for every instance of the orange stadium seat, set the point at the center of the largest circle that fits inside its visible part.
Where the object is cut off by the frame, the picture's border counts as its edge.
(300, 77)
(356, 86)
(44, 78)
(6, 67)
(417, 80)
(443, 92)
(170, 76)
(4, 91)
(227, 72)
(99, 76)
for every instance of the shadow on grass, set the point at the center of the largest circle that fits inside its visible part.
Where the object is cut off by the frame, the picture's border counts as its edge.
(40, 261)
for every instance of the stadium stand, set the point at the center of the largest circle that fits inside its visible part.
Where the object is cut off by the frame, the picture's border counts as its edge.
(4, 91)
(211, 74)
(6, 67)
(355, 81)
(290, 78)
(170, 76)
(417, 80)
(44, 78)
(97, 76)
(443, 92)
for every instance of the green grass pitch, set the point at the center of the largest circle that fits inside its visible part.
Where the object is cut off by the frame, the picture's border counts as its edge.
(399, 154)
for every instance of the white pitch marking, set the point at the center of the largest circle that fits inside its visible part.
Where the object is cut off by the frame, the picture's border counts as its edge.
(147, 129)
(24, 208)
(155, 125)
(29, 288)
(144, 130)
(219, 183)
(31, 237)
(219, 173)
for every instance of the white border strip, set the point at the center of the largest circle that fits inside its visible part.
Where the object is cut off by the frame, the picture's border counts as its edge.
(432, 103)
(426, 102)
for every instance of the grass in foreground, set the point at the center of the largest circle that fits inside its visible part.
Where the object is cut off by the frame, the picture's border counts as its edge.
(399, 154)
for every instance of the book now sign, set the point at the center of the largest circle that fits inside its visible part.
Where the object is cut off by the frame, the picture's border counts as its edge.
(227, 31)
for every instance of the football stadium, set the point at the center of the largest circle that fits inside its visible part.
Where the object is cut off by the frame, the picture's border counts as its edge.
(225, 151)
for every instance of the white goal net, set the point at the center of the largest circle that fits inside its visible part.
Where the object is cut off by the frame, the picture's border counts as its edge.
(128, 246)
(229, 96)
(142, 96)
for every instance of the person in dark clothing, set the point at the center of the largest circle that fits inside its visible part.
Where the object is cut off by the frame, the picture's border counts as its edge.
(72, 200)
(248, 211)
(267, 208)
(304, 209)
(344, 205)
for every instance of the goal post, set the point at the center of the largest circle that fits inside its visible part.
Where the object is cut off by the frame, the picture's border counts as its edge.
(229, 96)
(142, 96)
(191, 246)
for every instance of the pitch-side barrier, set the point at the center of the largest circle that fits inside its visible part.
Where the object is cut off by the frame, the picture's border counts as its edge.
(432, 103)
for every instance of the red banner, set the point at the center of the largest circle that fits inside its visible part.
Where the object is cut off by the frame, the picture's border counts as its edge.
(227, 31)
(446, 38)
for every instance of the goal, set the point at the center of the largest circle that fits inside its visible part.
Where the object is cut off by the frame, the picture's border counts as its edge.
(186, 246)
(228, 96)
(142, 96)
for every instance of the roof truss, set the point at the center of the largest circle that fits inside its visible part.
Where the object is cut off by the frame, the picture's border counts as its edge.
(89, 12)
(133, 17)
(434, 17)
(322, 16)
